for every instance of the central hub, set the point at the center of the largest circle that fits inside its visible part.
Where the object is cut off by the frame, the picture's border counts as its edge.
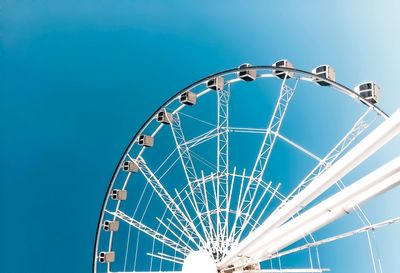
(199, 262)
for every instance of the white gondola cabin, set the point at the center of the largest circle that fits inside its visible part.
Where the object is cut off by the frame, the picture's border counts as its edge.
(107, 257)
(370, 91)
(164, 117)
(120, 195)
(326, 72)
(216, 83)
(111, 225)
(146, 141)
(247, 75)
(188, 98)
(280, 73)
(130, 166)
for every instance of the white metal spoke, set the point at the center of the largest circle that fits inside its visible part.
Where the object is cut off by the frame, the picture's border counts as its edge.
(285, 96)
(274, 125)
(358, 128)
(292, 270)
(201, 138)
(223, 155)
(167, 258)
(170, 203)
(369, 145)
(183, 149)
(187, 162)
(149, 231)
(341, 203)
(338, 237)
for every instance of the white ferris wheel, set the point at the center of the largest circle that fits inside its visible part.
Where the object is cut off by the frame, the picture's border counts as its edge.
(241, 169)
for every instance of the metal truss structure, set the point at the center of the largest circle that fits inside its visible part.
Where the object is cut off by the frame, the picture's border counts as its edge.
(192, 206)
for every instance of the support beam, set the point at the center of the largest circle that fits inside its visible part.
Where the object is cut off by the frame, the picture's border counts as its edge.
(152, 233)
(183, 220)
(338, 237)
(358, 128)
(291, 270)
(223, 157)
(183, 149)
(327, 211)
(285, 95)
(366, 147)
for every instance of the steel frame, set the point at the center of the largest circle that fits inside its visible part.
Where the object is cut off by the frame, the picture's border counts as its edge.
(303, 75)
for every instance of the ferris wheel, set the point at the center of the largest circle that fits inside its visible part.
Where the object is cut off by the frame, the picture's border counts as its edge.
(243, 168)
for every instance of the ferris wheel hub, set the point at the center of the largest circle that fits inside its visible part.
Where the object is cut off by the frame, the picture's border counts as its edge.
(199, 262)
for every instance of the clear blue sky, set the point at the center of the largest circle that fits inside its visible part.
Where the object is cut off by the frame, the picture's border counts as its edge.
(68, 67)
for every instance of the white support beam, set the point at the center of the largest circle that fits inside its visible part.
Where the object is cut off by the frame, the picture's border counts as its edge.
(183, 149)
(358, 128)
(152, 233)
(366, 147)
(291, 270)
(285, 96)
(223, 157)
(327, 211)
(187, 224)
(338, 237)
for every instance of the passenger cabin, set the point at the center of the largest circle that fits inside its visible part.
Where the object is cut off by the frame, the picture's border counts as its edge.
(130, 166)
(107, 257)
(188, 98)
(216, 83)
(146, 141)
(326, 72)
(370, 91)
(247, 75)
(280, 73)
(120, 195)
(164, 117)
(111, 225)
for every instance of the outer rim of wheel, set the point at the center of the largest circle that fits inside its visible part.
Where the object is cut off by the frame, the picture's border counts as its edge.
(336, 86)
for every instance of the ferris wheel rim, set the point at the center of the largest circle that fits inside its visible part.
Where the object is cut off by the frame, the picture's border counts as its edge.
(307, 76)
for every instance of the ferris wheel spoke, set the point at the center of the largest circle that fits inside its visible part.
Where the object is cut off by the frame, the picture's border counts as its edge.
(151, 232)
(183, 149)
(186, 160)
(367, 228)
(327, 211)
(200, 139)
(166, 258)
(283, 270)
(211, 230)
(180, 240)
(366, 147)
(262, 213)
(169, 202)
(223, 154)
(285, 96)
(247, 219)
(238, 211)
(358, 128)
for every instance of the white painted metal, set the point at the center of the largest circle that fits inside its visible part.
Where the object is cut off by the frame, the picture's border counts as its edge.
(338, 237)
(208, 234)
(366, 147)
(223, 157)
(149, 231)
(358, 128)
(183, 219)
(375, 183)
(291, 270)
(285, 95)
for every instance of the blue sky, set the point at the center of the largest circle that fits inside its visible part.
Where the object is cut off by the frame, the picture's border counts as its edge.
(78, 78)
